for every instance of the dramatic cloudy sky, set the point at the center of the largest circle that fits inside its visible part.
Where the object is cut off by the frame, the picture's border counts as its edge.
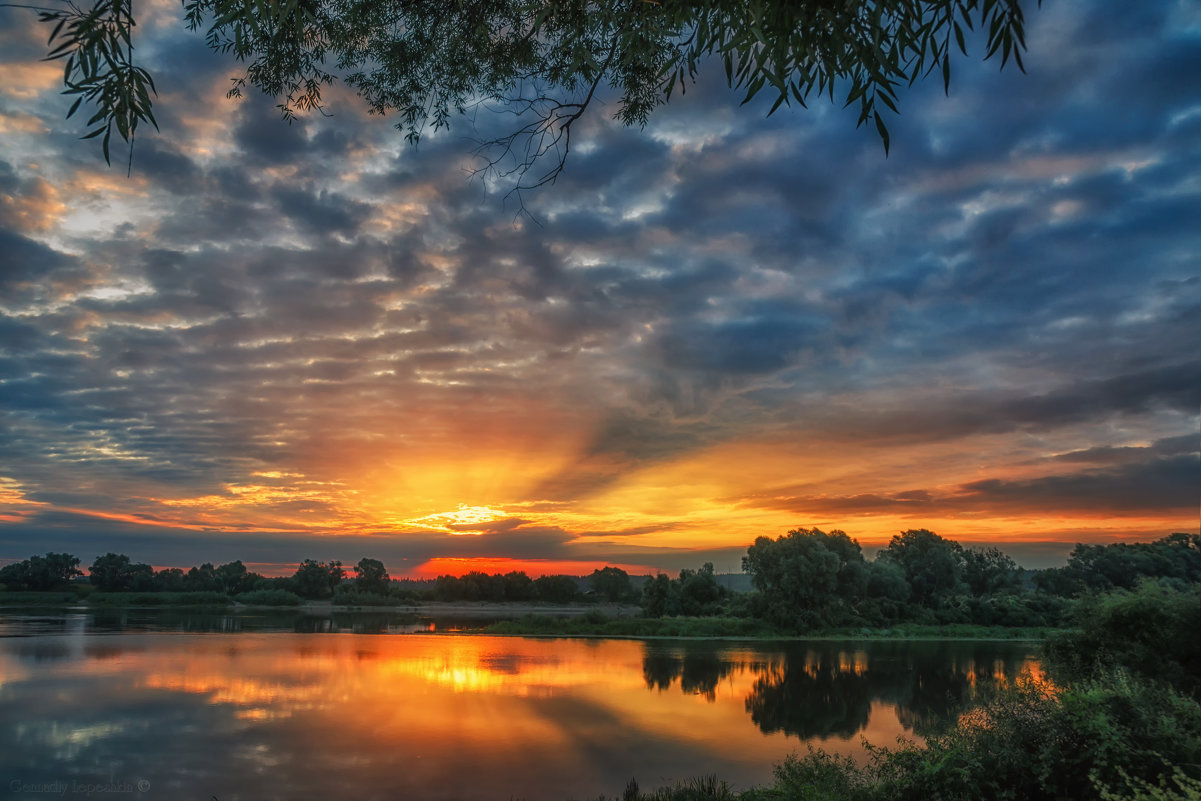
(278, 342)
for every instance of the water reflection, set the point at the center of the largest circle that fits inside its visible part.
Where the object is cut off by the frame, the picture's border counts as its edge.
(810, 700)
(831, 691)
(697, 670)
(287, 715)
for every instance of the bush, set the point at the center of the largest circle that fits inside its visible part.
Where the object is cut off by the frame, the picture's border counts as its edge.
(269, 598)
(1150, 631)
(1029, 742)
(1178, 787)
(819, 776)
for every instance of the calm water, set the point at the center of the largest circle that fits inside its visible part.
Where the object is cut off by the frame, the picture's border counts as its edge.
(139, 705)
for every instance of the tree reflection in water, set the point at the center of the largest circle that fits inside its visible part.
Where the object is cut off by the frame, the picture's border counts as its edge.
(829, 690)
(810, 698)
(698, 670)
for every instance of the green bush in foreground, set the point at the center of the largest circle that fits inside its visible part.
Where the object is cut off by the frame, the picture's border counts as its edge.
(1116, 735)
(269, 598)
(1177, 787)
(1150, 631)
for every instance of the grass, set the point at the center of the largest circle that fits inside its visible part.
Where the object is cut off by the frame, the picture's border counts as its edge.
(269, 598)
(595, 624)
(159, 599)
(353, 598)
(36, 598)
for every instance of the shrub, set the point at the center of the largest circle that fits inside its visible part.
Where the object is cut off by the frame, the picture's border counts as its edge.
(1150, 631)
(1028, 742)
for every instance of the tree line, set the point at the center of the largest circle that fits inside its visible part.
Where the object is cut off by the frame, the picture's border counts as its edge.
(366, 582)
(810, 579)
(115, 572)
(805, 580)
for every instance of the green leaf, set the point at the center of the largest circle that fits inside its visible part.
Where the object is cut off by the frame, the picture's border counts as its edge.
(882, 129)
(57, 28)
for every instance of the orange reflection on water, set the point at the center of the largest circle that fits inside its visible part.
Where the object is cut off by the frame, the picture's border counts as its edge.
(435, 716)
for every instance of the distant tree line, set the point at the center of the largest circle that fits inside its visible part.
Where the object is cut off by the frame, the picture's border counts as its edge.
(41, 572)
(367, 582)
(611, 584)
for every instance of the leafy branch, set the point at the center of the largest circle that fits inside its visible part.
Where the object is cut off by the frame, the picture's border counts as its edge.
(97, 47)
(428, 61)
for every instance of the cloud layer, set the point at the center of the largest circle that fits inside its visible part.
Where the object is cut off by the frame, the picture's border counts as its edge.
(717, 327)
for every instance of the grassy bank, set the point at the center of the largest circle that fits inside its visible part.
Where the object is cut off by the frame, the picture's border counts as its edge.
(110, 600)
(533, 619)
(595, 625)
(120, 599)
(42, 599)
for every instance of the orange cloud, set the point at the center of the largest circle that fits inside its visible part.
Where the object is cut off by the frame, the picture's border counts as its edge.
(25, 81)
(37, 208)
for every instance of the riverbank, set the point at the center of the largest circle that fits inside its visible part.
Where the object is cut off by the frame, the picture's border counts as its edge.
(621, 621)
(459, 609)
(745, 628)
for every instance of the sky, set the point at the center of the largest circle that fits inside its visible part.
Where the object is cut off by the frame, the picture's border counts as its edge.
(274, 342)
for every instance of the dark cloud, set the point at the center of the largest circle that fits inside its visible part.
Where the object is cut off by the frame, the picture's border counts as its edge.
(24, 261)
(1106, 454)
(1153, 486)
(264, 137)
(320, 211)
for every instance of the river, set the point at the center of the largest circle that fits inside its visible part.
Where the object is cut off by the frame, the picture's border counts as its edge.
(153, 705)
